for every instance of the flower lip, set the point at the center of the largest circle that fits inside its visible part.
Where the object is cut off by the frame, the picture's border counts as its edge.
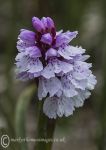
(33, 52)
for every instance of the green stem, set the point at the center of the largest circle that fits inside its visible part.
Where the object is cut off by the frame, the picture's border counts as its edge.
(51, 123)
(46, 129)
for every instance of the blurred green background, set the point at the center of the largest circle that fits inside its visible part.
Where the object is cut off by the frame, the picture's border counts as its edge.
(86, 129)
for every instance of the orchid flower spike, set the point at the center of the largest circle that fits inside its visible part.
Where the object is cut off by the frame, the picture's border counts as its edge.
(65, 79)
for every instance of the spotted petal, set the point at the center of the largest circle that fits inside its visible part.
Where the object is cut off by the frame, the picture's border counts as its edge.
(56, 66)
(42, 92)
(91, 82)
(51, 86)
(55, 106)
(68, 52)
(33, 52)
(35, 65)
(65, 38)
(81, 97)
(68, 88)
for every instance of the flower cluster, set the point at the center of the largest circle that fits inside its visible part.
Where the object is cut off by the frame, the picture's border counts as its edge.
(65, 79)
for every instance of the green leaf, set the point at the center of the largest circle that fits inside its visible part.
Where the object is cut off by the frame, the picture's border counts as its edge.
(21, 110)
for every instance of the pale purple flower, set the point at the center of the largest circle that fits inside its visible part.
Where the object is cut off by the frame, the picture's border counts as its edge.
(65, 79)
